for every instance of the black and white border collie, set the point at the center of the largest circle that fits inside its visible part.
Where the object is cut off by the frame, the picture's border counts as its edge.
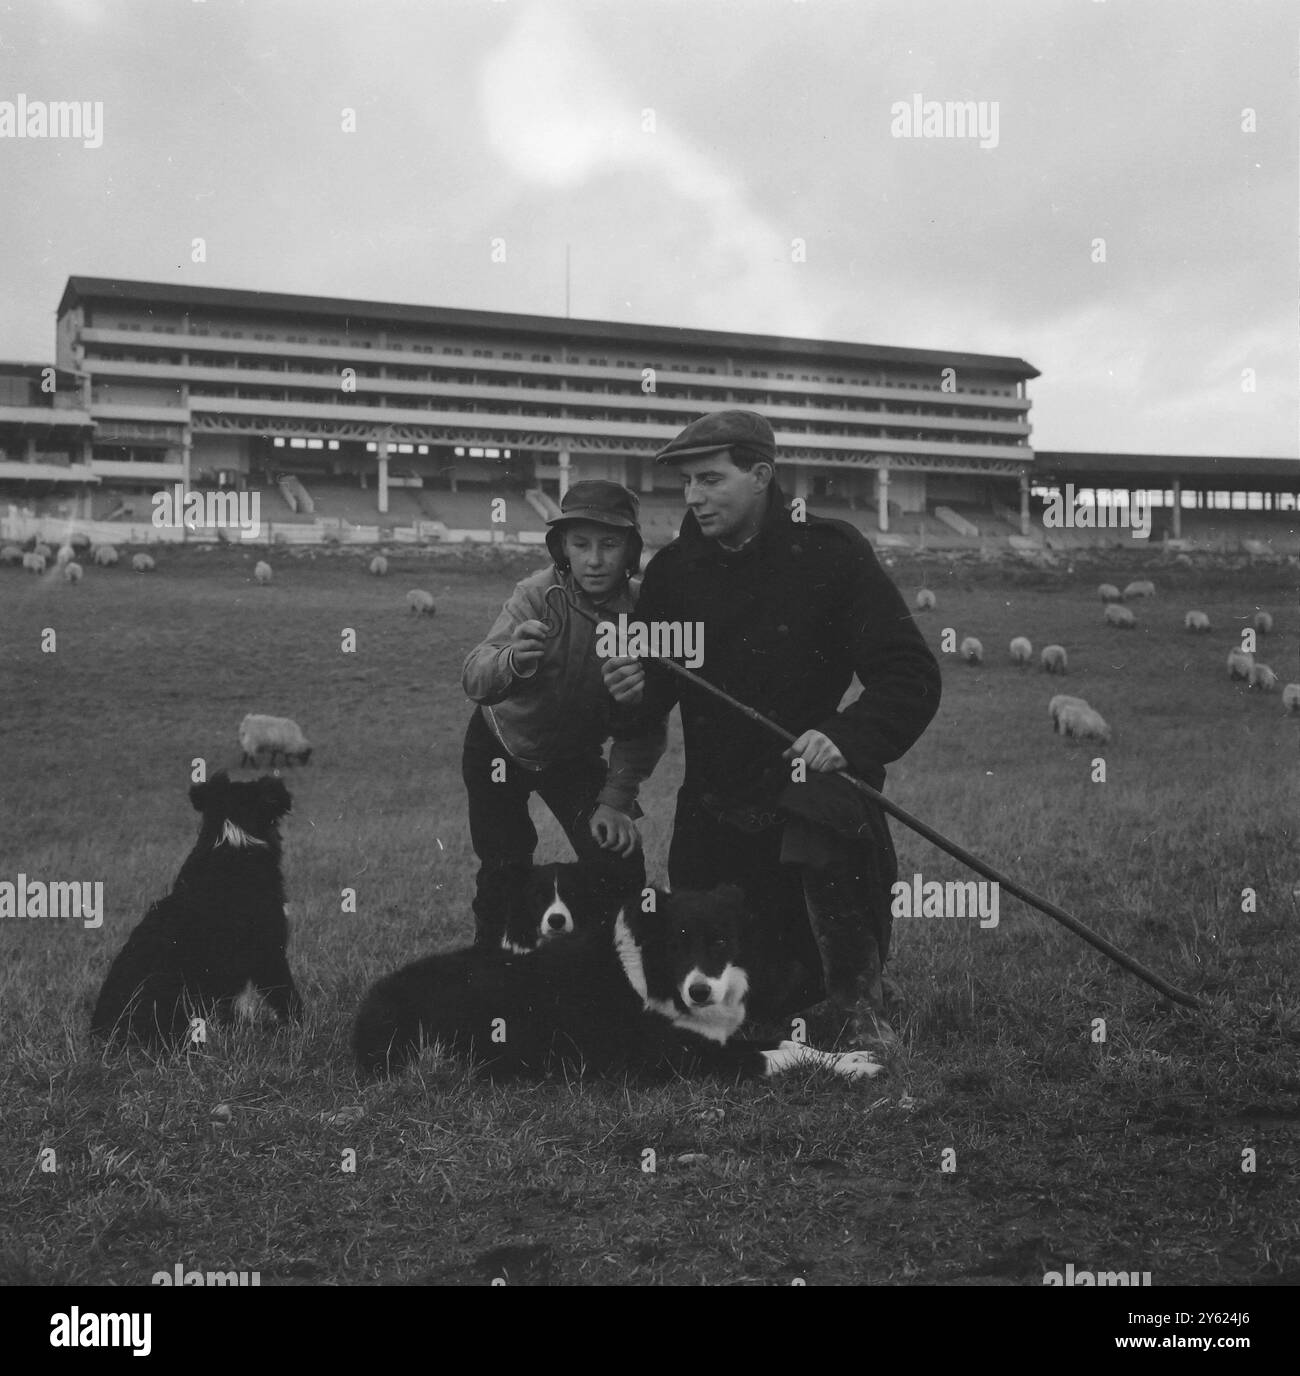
(658, 994)
(220, 934)
(558, 900)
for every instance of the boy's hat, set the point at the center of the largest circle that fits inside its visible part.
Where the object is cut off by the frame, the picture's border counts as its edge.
(721, 430)
(605, 503)
(608, 504)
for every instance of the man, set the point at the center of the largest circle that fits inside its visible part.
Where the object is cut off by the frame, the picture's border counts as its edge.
(791, 606)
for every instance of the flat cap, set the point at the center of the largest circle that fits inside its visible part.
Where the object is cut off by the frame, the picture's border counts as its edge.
(720, 430)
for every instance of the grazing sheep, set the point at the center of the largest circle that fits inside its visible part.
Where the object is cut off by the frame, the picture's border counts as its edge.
(65, 555)
(262, 572)
(1140, 587)
(1108, 592)
(1058, 704)
(1262, 677)
(1120, 617)
(34, 563)
(72, 572)
(420, 601)
(11, 554)
(79, 540)
(1196, 621)
(143, 563)
(1183, 560)
(41, 548)
(1083, 723)
(1240, 663)
(1054, 659)
(1021, 651)
(276, 735)
(379, 566)
(925, 600)
(1291, 698)
(1263, 623)
(971, 650)
(105, 555)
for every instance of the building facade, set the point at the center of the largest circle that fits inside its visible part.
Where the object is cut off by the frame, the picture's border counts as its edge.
(216, 387)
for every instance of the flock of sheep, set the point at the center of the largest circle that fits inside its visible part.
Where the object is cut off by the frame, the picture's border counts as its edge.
(1073, 717)
(40, 557)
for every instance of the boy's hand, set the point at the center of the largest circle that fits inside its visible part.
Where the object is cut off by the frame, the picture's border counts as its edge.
(527, 645)
(820, 752)
(615, 830)
(624, 680)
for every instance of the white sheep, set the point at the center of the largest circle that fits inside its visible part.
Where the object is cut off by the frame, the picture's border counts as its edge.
(925, 600)
(1058, 704)
(1022, 651)
(420, 601)
(105, 555)
(72, 572)
(1196, 621)
(379, 566)
(1054, 660)
(11, 554)
(1083, 723)
(33, 562)
(277, 735)
(1120, 617)
(43, 550)
(1262, 677)
(1140, 587)
(143, 563)
(971, 650)
(1291, 698)
(1263, 623)
(65, 555)
(1108, 592)
(1240, 663)
(262, 572)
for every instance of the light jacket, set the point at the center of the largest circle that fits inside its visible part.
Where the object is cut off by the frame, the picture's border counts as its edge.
(562, 709)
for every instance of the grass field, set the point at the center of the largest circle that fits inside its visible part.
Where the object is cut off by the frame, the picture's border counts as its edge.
(1122, 1154)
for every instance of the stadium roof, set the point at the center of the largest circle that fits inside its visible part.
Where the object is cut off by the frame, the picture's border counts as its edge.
(1202, 468)
(113, 289)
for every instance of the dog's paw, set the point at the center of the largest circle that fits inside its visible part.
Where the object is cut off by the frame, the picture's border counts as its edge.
(855, 1065)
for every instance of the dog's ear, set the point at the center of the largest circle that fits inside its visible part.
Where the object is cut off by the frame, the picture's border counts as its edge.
(203, 795)
(274, 797)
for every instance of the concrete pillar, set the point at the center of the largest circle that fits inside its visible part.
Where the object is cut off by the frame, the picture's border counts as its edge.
(383, 477)
(29, 449)
(882, 497)
(799, 482)
(564, 471)
(1024, 504)
(1178, 510)
(187, 456)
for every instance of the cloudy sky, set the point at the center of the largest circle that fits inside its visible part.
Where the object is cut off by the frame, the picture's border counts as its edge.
(681, 149)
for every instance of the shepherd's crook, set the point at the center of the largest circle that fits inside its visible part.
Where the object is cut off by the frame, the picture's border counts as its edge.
(1134, 967)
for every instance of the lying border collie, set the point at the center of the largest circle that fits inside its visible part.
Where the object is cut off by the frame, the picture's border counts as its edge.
(659, 994)
(221, 929)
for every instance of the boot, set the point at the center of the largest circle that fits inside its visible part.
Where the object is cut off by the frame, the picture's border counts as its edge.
(853, 1012)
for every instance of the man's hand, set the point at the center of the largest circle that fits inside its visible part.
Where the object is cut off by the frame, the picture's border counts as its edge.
(624, 680)
(615, 830)
(527, 645)
(820, 752)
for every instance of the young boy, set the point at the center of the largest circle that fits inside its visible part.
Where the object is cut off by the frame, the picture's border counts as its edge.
(545, 714)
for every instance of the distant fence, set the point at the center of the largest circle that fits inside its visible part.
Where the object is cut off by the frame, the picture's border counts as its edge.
(55, 530)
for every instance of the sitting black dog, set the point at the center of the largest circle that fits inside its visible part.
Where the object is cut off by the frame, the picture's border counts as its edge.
(219, 933)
